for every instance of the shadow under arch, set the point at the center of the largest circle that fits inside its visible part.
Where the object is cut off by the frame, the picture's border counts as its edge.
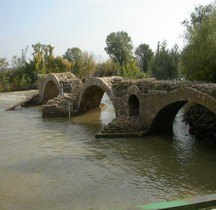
(92, 93)
(50, 91)
(173, 102)
(133, 106)
(163, 122)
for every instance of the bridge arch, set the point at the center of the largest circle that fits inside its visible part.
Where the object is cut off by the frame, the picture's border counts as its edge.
(172, 102)
(134, 106)
(52, 84)
(91, 94)
(133, 101)
(51, 88)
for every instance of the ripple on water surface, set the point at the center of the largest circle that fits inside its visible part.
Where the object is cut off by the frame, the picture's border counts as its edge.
(58, 164)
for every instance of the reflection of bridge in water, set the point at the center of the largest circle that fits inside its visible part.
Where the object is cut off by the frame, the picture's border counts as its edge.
(155, 103)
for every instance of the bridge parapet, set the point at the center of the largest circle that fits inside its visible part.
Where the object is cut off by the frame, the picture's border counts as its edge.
(169, 85)
(92, 92)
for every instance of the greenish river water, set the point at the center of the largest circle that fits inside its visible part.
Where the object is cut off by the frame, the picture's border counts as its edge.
(58, 164)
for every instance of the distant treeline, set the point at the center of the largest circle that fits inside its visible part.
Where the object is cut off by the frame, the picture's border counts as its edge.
(196, 61)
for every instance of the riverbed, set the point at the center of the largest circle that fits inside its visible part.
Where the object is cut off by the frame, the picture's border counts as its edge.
(58, 164)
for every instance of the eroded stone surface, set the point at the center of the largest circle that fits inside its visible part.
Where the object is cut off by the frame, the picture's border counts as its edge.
(157, 102)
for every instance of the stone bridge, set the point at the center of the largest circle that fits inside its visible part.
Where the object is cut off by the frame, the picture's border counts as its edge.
(54, 84)
(155, 103)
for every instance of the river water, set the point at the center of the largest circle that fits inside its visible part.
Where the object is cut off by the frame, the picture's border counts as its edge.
(58, 164)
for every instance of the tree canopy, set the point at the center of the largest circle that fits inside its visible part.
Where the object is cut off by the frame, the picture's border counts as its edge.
(143, 54)
(195, 62)
(119, 47)
(3, 63)
(165, 62)
(198, 56)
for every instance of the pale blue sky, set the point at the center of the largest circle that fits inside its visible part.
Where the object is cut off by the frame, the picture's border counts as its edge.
(86, 23)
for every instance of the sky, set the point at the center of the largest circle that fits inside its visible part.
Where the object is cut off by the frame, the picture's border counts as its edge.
(86, 23)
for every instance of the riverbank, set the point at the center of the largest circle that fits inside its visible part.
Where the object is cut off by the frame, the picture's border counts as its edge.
(15, 87)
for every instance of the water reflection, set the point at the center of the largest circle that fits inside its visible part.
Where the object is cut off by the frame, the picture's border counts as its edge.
(102, 117)
(184, 143)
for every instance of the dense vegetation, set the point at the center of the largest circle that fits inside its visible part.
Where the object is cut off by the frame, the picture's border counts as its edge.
(196, 61)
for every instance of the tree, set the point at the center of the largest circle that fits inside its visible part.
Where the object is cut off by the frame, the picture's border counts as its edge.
(82, 63)
(86, 66)
(119, 47)
(46, 62)
(198, 56)
(165, 62)
(4, 75)
(74, 56)
(39, 57)
(107, 68)
(131, 70)
(3, 63)
(143, 55)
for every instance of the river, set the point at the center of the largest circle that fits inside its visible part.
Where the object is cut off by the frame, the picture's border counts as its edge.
(58, 164)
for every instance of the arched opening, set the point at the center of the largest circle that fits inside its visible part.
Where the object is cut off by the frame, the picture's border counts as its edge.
(163, 122)
(50, 91)
(95, 106)
(91, 99)
(196, 113)
(133, 106)
(108, 112)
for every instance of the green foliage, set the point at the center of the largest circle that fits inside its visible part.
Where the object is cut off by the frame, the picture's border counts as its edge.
(86, 66)
(110, 68)
(3, 63)
(165, 62)
(75, 57)
(119, 47)
(131, 70)
(4, 77)
(45, 61)
(107, 68)
(30, 72)
(83, 64)
(198, 57)
(143, 55)
(73, 54)
(20, 76)
(4, 80)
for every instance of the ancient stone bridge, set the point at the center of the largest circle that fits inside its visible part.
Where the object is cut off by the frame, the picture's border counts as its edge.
(155, 103)
(52, 85)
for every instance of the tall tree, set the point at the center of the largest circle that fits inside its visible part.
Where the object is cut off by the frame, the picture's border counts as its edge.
(143, 55)
(74, 56)
(87, 65)
(46, 62)
(82, 63)
(198, 56)
(119, 47)
(165, 62)
(3, 63)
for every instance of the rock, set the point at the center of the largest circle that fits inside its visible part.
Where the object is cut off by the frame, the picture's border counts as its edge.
(202, 123)
(123, 125)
